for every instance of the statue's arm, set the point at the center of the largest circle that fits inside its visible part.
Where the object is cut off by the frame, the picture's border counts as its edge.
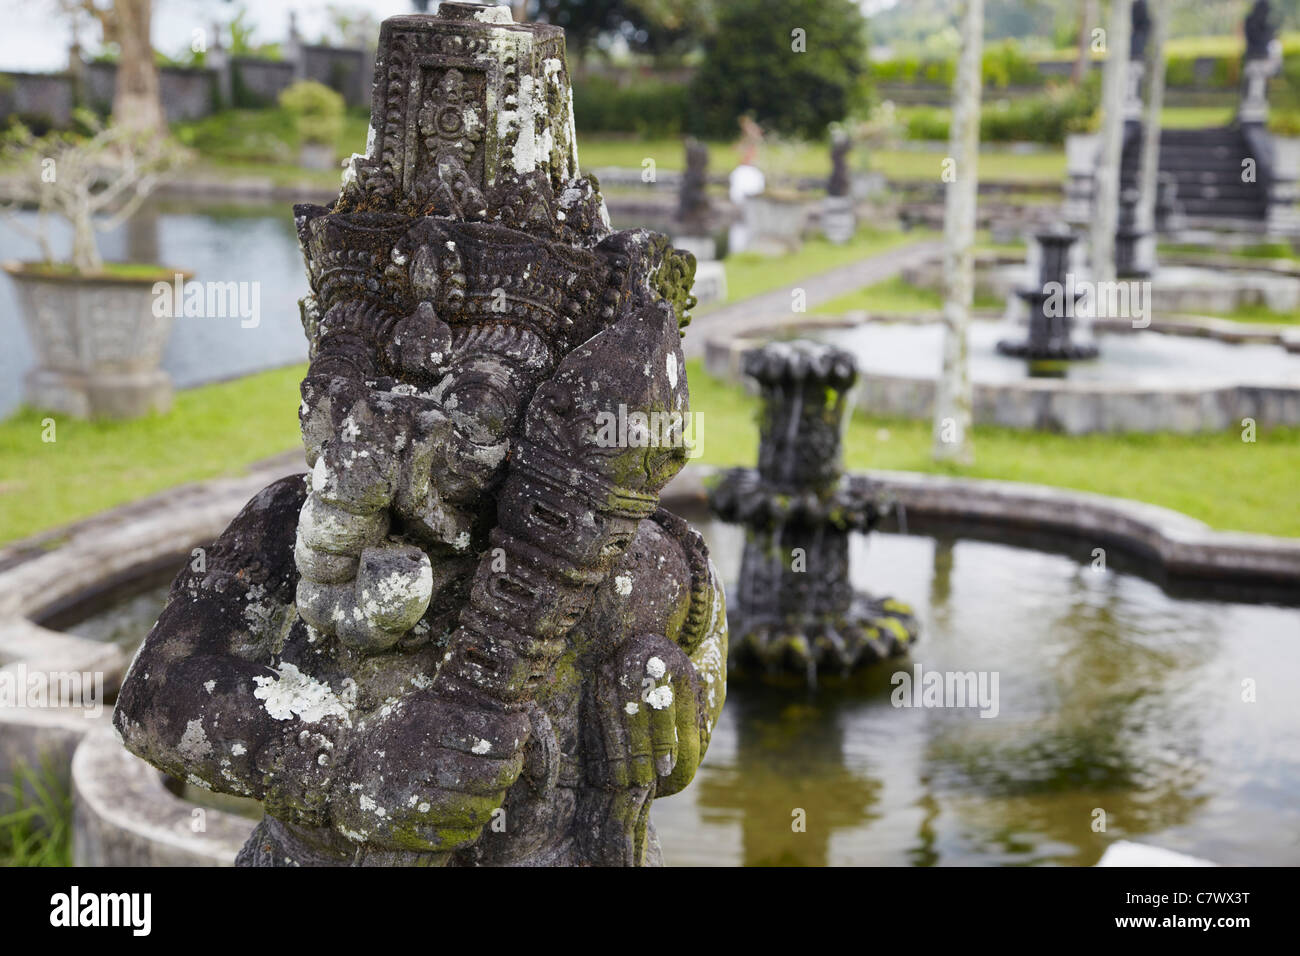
(200, 700)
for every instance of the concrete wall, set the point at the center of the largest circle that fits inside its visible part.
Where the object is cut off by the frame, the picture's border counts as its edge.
(43, 98)
(188, 94)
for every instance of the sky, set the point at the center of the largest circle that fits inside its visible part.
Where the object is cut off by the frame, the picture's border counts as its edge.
(35, 35)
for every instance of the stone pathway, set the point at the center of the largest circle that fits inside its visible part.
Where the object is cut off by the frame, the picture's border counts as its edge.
(735, 318)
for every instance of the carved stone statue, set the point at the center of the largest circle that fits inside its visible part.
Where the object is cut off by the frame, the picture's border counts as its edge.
(693, 207)
(1260, 31)
(797, 609)
(841, 145)
(1141, 20)
(1262, 61)
(470, 635)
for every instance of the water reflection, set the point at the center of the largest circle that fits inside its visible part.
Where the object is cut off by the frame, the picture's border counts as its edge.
(1114, 697)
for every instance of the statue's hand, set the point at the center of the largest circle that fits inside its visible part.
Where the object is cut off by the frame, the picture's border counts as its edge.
(354, 582)
(428, 775)
(649, 716)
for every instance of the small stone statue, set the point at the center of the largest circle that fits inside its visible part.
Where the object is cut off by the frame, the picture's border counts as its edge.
(797, 609)
(841, 145)
(470, 635)
(1141, 20)
(693, 207)
(1260, 31)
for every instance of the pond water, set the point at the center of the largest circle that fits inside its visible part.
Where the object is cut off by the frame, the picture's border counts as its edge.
(216, 243)
(1112, 695)
(1139, 359)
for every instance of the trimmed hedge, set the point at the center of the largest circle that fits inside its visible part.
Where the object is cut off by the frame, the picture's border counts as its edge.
(1004, 65)
(1045, 118)
(650, 108)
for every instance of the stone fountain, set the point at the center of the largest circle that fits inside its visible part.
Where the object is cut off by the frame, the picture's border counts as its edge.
(470, 635)
(1052, 304)
(796, 608)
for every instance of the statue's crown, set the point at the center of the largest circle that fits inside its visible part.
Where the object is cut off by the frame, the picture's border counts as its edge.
(471, 118)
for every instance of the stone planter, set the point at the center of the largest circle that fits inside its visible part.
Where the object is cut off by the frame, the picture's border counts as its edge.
(839, 219)
(775, 223)
(317, 156)
(98, 342)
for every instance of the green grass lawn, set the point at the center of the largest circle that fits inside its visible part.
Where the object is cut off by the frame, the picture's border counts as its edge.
(813, 159)
(37, 831)
(749, 274)
(220, 429)
(1171, 117)
(1257, 313)
(267, 136)
(91, 466)
(264, 144)
(895, 296)
(1229, 484)
(1263, 250)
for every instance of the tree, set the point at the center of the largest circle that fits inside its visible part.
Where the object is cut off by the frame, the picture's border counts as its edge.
(95, 180)
(137, 99)
(655, 27)
(953, 397)
(794, 65)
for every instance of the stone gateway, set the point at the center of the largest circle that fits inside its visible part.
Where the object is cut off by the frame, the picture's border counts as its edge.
(470, 635)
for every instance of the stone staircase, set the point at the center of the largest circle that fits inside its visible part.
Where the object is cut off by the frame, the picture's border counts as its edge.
(1207, 164)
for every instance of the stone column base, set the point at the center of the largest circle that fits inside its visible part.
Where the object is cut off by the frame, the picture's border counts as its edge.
(839, 219)
(100, 395)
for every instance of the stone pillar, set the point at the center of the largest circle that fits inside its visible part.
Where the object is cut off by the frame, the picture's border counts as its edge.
(839, 218)
(1149, 174)
(1129, 234)
(1106, 192)
(954, 395)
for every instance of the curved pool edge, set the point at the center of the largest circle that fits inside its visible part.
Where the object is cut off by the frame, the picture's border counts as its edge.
(56, 570)
(1183, 545)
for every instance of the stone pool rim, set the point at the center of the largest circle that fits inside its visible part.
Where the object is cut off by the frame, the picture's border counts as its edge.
(1058, 405)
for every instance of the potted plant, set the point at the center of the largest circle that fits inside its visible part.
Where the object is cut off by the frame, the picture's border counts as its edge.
(317, 113)
(97, 333)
